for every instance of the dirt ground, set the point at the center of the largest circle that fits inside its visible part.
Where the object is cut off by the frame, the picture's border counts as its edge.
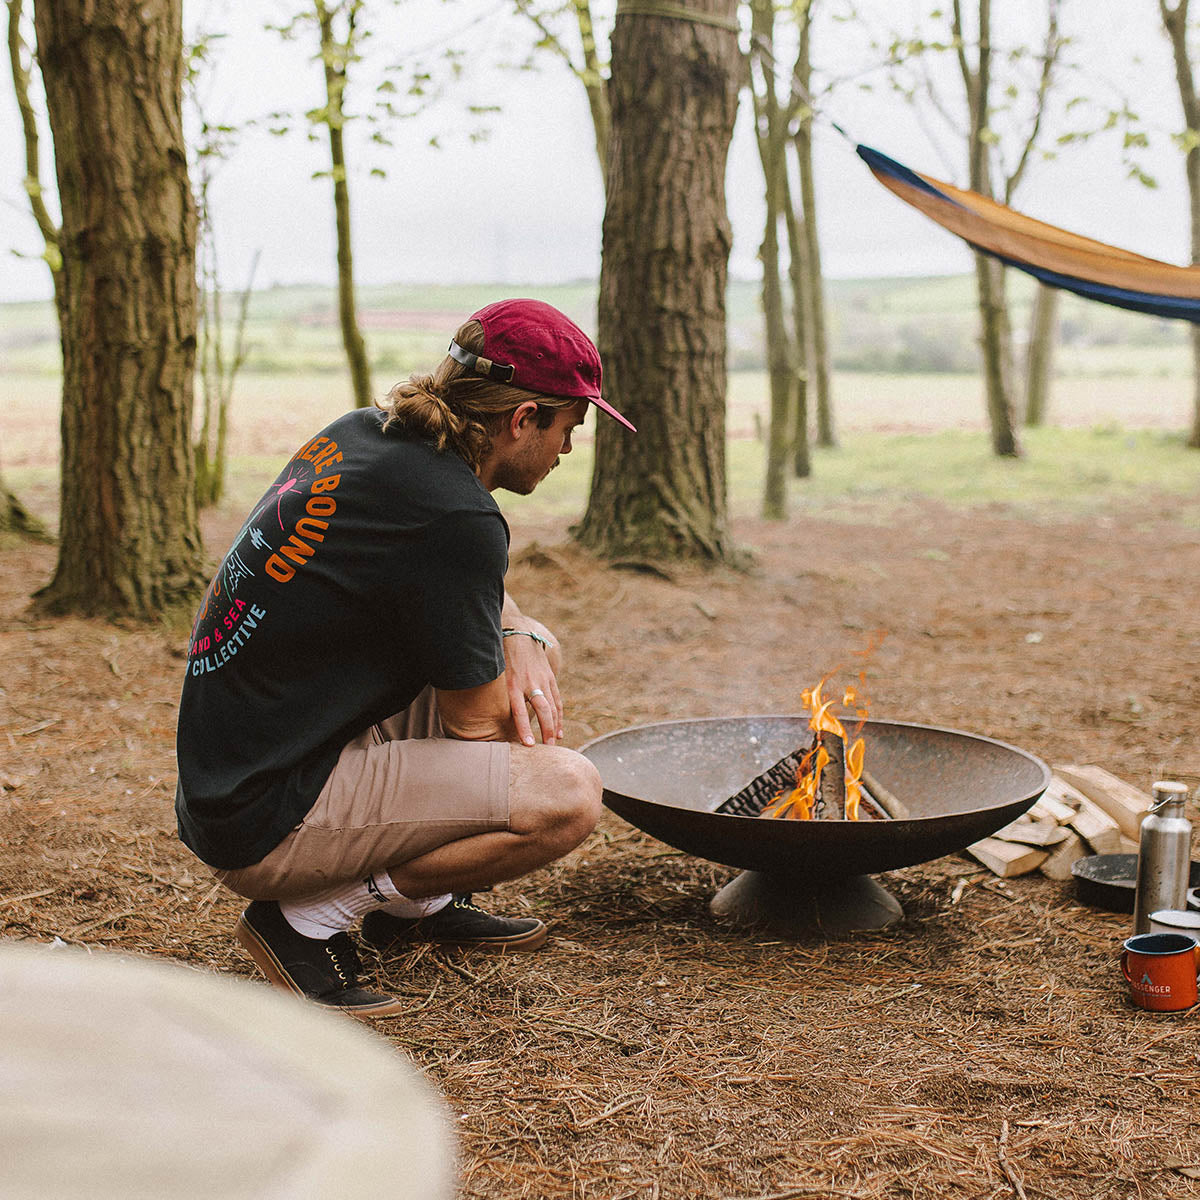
(982, 1047)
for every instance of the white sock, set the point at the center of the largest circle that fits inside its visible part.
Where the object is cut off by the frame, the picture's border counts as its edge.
(399, 905)
(409, 910)
(336, 909)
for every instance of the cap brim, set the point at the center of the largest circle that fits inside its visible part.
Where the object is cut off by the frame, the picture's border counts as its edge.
(612, 412)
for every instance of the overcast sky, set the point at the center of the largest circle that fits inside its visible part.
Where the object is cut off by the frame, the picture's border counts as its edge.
(525, 205)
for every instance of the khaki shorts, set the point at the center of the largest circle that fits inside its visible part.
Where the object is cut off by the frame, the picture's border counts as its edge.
(399, 790)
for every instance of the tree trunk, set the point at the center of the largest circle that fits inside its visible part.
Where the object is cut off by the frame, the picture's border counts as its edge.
(129, 543)
(770, 129)
(674, 90)
(334, 57)
(1039, 362)
(594, 84)
(994, 338)
(16, 518)
(817, 338)
(801, 338)
(1175, 22)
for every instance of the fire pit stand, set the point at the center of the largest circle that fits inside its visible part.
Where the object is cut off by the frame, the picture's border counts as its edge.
(790, 908)
(799, 876)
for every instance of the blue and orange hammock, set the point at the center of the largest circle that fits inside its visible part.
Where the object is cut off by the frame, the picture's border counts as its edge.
(1056, 257)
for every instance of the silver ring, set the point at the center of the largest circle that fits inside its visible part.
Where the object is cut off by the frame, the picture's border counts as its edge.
(536, 692)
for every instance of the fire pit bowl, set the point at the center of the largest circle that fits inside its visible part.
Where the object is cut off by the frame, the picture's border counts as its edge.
(668, 778)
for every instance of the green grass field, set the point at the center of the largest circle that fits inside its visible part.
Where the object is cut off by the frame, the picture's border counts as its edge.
(1120, 401)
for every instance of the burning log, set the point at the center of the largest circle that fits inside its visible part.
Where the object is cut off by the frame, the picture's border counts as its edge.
(831, 782)
(822, 780)
(762, 789)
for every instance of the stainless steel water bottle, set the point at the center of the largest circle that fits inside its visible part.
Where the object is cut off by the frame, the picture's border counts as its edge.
(1164, 855)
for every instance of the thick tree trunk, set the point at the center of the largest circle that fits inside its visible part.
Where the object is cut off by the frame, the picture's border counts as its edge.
(674, 89)
(1039, 361)
(333, 57)
(129, 542)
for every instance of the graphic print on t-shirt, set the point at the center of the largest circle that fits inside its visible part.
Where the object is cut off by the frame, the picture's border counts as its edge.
(226, 620)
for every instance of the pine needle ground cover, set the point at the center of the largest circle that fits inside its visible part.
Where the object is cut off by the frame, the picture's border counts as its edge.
(983, 1047)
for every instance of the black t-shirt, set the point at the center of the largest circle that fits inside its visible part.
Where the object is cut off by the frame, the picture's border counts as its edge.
(372, 567)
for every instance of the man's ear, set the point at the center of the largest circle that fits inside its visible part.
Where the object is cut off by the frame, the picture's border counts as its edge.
(520, 417)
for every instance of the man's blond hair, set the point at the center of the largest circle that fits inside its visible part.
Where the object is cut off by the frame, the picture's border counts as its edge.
(458, 411)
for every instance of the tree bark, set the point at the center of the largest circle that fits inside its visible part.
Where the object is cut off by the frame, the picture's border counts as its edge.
(334, 55)
(995, 339)
(674, 90)
(801, 337)
(817, 338)
(770, 130)
(594, 84)
(129, 542)
(16, 518)
(1175, 22)
(1039, 361)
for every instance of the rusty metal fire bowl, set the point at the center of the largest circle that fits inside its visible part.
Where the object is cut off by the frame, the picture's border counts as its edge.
(667, 779)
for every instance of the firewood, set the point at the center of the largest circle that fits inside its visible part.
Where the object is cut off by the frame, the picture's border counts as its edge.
(896, 809)
(1007, 859)
(831, 790)
(869, 809)
(1061, 799)
(754, 797)
(1064, 856)
(1122, 801)
(1044, 833)
(1097, 828)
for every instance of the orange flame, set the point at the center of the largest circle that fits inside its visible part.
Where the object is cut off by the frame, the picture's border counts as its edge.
(801, 802)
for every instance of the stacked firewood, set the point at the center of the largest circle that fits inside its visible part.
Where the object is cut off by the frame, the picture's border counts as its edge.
(1085, 810)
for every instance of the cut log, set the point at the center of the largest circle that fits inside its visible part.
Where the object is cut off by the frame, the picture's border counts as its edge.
(1044, 833)
(1122, 801)
(1130, 845)
(1097, 828)
(1061, 799)
(896, 809)
(831, 790)
(1007, 859)
(1064, 856)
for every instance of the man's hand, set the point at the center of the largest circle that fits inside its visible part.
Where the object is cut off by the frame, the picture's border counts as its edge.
(530, 674)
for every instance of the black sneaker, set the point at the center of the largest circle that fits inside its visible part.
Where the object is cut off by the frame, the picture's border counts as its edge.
(460, 923)
(324, 971)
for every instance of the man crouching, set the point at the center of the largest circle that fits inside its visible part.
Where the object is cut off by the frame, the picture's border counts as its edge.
(356, 729)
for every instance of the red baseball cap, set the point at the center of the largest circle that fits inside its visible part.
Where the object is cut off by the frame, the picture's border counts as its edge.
(532, 345)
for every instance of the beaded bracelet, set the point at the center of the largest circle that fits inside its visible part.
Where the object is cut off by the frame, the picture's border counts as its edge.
(546, 643)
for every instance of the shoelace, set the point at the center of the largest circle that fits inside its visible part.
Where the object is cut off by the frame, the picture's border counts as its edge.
(344, 956)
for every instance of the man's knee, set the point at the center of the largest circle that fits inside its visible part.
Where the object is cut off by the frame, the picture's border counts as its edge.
(555, 793)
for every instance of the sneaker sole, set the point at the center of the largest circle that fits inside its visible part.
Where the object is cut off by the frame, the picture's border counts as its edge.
(265, 960)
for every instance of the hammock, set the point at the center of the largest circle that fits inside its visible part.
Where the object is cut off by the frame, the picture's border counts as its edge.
(1055, 256)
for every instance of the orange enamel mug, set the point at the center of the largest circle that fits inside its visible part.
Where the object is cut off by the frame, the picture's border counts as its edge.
(1161, 970)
